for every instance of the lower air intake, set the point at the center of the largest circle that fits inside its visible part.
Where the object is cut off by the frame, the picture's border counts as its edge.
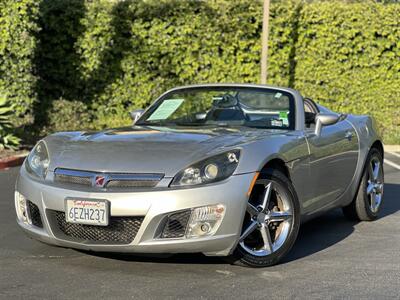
(34, 214)
(120, 230)
(175, 225)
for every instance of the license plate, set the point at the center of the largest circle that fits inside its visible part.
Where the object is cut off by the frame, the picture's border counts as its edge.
(89, 212)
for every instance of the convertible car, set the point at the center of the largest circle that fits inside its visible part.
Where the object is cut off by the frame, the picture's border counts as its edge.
(223, 169)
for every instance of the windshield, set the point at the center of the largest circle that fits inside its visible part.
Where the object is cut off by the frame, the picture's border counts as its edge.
(251, 107)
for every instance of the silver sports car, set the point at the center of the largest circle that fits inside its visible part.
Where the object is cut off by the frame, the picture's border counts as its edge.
(223, 169)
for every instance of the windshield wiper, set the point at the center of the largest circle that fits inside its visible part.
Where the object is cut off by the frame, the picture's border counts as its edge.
(156, 123)
(189, 124)
(257, 126)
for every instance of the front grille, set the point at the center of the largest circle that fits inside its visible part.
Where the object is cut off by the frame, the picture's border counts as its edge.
(175, 224)
(34, 214)
(81, 180)
(120, 230)
(110, 180)
(131, 183)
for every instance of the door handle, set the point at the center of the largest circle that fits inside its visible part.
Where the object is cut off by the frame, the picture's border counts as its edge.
(348, 135)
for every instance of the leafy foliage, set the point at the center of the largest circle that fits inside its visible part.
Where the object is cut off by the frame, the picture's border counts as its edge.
(352, 65)
(7, 138)
(68, 116)
(104, 58)
(18, 24)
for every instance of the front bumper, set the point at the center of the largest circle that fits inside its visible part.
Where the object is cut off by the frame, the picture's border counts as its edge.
(154, 206)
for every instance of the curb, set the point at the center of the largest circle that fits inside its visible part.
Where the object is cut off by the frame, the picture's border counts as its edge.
(391, 148)
(13, 161)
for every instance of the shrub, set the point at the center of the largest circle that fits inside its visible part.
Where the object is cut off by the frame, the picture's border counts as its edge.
(68, 116)
(7, 138)
(352, 65)
(115, 56)
(18, 25)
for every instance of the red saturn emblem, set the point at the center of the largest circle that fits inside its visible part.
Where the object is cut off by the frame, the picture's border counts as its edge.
(100, 181)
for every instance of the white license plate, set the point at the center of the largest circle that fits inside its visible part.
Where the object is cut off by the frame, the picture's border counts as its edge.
(89, 212)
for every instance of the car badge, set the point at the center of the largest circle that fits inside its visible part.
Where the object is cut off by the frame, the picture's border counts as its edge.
(100, 181)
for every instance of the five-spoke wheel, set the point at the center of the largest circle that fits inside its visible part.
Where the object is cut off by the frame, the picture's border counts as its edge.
(375, 183)
(368, 201)
(271, 221)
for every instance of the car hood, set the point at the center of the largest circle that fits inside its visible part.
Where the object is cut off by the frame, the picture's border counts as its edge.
(144, 149)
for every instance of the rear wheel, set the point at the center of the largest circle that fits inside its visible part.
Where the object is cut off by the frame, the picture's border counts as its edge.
(271, 222)
(367, 203)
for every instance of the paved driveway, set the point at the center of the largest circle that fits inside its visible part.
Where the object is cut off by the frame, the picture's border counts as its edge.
(332, 258)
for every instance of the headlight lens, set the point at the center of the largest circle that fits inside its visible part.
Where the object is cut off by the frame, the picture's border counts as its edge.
(38, 161)
(210, 170)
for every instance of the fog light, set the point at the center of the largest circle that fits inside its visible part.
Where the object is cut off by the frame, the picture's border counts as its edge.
(205, 227)
(205, 220)
(21, 208)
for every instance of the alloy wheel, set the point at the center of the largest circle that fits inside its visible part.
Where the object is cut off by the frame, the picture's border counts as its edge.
(269, 217)
(375, 184)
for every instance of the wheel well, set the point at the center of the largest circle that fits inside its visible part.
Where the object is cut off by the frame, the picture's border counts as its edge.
(378, 146)
(276, 164)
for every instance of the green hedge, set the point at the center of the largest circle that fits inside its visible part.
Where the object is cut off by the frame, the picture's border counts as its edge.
(105, 58)
(348, 57)
(18, 24)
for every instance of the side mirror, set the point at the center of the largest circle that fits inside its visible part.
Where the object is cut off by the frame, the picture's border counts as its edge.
(325, 119)
(136, 114)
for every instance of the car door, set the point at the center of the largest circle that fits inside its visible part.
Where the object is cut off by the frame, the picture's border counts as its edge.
(332, 162)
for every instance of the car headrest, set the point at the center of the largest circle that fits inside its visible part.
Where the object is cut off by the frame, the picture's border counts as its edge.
(225, 101)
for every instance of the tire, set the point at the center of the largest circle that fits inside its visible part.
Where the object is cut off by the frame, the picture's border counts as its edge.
(368, 200)
(277, 222)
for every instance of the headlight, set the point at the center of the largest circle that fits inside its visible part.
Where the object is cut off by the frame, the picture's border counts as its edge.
(38, 161)
(210, 170)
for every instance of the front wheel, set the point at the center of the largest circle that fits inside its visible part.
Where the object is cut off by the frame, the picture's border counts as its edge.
(271, 223)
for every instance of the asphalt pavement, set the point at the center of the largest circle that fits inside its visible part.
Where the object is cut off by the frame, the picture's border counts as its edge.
(332, 258)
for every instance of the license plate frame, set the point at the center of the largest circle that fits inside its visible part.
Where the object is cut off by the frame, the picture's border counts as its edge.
(87, 207)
